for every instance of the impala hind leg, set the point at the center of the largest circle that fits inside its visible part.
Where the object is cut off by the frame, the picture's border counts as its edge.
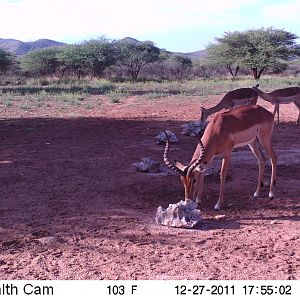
(265, 139)
(254, 146)
(298, 106)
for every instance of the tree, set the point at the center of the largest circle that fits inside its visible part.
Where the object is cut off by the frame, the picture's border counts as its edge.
(6, 60)
(100, 54)
(257, 49)
(88, 58)
(178, 67)
(221, 55)
(135, 55)
(42, 62)
(73, 60)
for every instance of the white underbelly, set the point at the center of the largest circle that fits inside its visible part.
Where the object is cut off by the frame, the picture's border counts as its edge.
(245, 137)
(244, 144)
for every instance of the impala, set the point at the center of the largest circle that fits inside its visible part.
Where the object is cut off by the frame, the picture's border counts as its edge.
(242, 96)
(243, 125)
(281, 96)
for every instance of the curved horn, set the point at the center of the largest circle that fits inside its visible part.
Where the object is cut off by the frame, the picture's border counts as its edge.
(166, 159)
(198, 160)
(200, 144)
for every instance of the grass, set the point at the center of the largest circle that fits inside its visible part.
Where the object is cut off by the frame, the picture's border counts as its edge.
(74, 92)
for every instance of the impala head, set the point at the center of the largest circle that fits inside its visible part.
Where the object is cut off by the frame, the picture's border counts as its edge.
(191, 175)
(203, 114)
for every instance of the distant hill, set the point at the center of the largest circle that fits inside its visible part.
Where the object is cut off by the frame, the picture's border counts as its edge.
(130, 40)
(192, 55)
(20, 48)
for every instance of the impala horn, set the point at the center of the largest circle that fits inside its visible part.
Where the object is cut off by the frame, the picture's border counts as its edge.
(192, 166)
(166, 159)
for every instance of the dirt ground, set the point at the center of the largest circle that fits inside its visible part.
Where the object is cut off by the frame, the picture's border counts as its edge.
(73, 207)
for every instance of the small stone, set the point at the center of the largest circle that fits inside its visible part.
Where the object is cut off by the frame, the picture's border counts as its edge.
(147, 165)
(219, 217)
(48, 240)
(197, 127)
(162, 139)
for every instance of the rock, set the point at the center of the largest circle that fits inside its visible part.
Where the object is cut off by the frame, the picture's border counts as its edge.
(48, 240)
(197, 127)
(161, 138)
(147, 165)
(219, 217)
(182, 214)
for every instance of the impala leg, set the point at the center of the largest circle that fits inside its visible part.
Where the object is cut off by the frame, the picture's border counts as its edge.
(224, 169)
(200, 187)
(298, 106)
(254, 146)
(276, 110)
(266, 142)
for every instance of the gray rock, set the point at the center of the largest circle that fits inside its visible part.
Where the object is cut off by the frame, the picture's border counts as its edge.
(48, 240)
(182, 214)
(161, 138)
(147, 165)
(197, 127)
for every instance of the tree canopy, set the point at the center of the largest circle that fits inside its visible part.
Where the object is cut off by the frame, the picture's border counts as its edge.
(41, 62)
(6, 60)
(258, 49)
(134, 56)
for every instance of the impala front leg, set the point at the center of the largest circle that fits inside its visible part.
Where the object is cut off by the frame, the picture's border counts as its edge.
(200, 187)
(224, 168)
(276, 110)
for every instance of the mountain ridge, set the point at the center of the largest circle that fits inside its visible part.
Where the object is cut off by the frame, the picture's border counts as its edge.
(20, 48)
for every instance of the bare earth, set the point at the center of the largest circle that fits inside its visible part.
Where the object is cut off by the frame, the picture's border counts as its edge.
(66, 174)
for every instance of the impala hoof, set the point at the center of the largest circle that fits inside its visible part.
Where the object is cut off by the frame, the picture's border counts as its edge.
(217, 208)
(256, 195)
(271, 196)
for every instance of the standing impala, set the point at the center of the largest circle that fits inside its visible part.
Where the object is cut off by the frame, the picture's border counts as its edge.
(242, 96)
(281, 96)
(243, 125)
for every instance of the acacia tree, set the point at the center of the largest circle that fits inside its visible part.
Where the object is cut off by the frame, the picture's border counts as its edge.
(6, 60)
(73, 60)
(88, 58)
(178, 67)
(100, 54)
(258, 49)
(135, 55)
(42, 62)
(221, 55)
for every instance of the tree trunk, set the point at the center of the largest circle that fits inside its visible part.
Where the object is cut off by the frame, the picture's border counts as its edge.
(260, 72)
(254, 71)
(236, 71)
(230, 70)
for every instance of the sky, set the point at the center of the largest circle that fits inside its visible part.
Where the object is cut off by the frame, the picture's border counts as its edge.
(175, 25)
